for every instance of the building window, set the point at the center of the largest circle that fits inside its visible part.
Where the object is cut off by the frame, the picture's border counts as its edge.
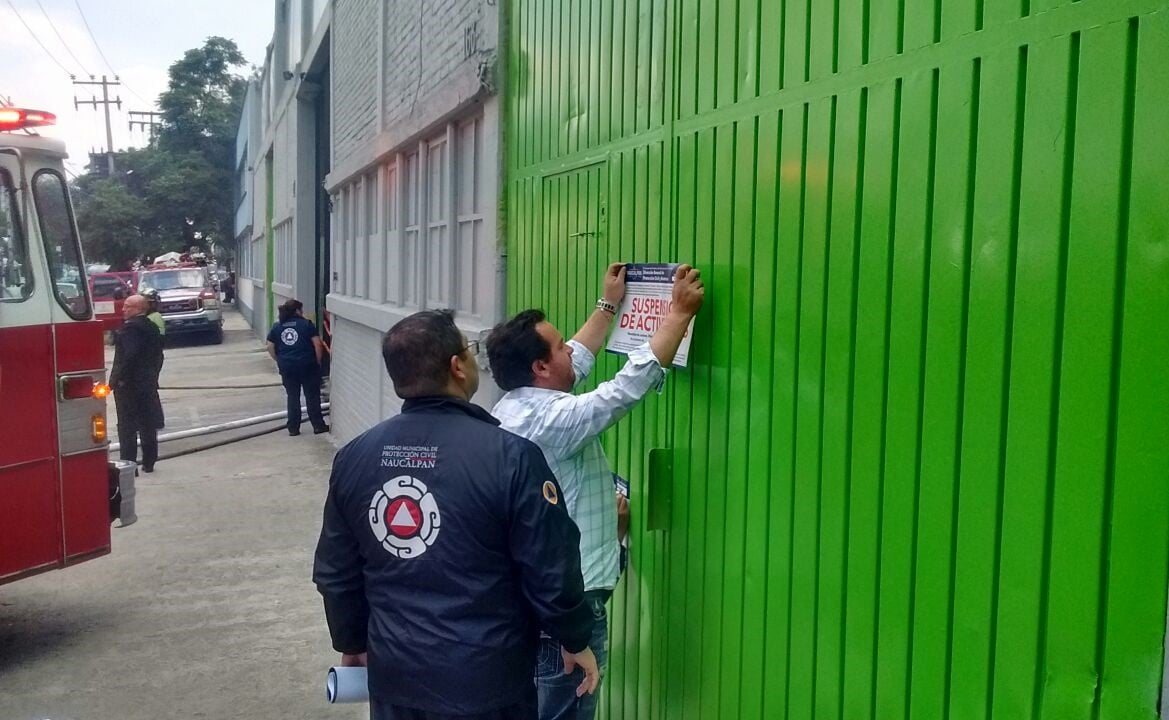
(243, 254)
(408, 234)
(241, 177)
(283, 250)
(258, 260)
(340, 236)
(295, 30)
(353, 228)
(469, 218)
(438, 223)
(266, 92)
(408, 262)
(393, 271)
(368, 236)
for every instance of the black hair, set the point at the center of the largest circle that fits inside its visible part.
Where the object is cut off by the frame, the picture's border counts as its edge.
(418, 350)
(289, 309)
(513, 346)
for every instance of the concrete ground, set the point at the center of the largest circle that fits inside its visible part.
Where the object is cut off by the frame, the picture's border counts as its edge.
(205, 607)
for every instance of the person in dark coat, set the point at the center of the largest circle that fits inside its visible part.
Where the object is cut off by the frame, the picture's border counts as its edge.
(446, 547)
(228, 287)
(296, 347)
(138, 361)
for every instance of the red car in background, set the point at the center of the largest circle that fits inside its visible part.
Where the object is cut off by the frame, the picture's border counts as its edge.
(109, 292)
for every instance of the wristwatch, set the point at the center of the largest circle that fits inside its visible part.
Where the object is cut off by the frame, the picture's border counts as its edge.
(603, 304)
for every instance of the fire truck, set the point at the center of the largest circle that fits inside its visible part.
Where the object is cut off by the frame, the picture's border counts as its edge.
(54, 478)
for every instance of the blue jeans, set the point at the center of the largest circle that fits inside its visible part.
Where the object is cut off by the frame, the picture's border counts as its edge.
(557, 691)
(524, 710)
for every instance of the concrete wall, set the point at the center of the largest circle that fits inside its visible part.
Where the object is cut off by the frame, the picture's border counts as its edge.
(284, 138)
(355, 76)
(247, 141)
(414, 185)
(245, 298)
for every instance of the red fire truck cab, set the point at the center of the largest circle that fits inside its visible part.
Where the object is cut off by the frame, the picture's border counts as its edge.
(53, 466)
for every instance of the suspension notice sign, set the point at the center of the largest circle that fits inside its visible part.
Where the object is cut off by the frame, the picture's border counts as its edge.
(648, 297)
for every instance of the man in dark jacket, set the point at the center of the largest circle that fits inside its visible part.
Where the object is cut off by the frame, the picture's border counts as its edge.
(446, 547)
(134, 380)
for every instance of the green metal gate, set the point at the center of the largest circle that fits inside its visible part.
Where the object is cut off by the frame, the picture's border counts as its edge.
(919, 466)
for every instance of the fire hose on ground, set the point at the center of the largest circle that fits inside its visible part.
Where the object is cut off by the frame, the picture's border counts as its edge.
(223, 427)
(220, 387)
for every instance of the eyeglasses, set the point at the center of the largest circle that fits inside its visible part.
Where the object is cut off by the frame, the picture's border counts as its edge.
(473, 346)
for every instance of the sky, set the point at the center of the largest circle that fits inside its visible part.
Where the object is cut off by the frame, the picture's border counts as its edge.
(138, 38)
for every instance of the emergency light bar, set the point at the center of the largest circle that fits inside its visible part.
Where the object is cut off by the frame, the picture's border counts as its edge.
(21, 118)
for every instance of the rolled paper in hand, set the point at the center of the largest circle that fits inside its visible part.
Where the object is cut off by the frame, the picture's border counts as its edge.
(347, 685)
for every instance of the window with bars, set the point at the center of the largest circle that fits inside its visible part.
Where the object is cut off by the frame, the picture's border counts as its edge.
(284, 253)
(257, 258)
(408, 234)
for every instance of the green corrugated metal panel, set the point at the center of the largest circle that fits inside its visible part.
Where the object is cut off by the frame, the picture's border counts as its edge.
(920, 458)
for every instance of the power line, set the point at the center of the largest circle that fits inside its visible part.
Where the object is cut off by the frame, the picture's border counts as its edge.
(34, 37)
(65, 44)
(91, 37)
(102, 54)
(136, 94)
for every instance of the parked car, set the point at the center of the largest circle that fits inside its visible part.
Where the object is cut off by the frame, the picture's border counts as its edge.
(109, 291)
(186, 300)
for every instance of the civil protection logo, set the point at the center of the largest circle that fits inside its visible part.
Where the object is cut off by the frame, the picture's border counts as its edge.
(404, 517)
(289, 336)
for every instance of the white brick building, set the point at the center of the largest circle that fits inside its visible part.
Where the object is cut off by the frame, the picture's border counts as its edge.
(380, 147)
(247, 146)
(282, 251)
(414, 184)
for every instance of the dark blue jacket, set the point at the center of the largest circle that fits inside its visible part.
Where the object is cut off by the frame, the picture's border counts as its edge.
(293, 339)
(445, 549)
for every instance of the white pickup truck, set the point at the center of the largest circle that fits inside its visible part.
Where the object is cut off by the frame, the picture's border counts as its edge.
(187, 300)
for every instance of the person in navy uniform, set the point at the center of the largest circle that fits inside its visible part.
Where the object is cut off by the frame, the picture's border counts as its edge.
(446, 547)
(138, 358)
(296, 347)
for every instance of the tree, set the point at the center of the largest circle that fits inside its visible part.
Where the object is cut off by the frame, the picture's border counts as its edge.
(176, 192)
(200, 112)
(113, 221)
(201, 106)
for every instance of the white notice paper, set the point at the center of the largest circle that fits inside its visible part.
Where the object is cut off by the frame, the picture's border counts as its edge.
(648, 298)
(347, 685)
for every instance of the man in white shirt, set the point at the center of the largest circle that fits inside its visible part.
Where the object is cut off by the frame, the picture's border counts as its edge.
(535, 365)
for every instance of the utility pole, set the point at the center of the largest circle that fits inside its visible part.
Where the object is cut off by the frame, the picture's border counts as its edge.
(106, 102)
(151, 120)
